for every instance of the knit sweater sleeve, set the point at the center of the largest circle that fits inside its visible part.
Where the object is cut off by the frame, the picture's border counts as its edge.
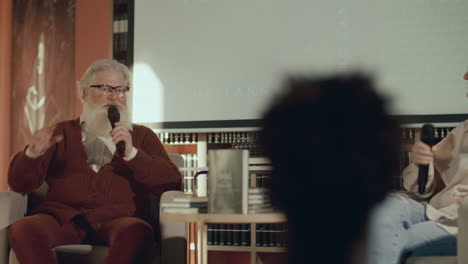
(152, 166)
(27, 174)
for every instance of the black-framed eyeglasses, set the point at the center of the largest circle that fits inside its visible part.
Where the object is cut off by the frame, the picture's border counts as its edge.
(105, 89)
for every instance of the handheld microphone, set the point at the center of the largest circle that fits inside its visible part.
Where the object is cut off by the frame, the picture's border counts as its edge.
(114, 116)
(427, 137)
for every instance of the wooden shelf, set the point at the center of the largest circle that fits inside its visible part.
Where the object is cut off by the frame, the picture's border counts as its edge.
(270, 249)
(229, 248)
(246, 249)
(224, 218)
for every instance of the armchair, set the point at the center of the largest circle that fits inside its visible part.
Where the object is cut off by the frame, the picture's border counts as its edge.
(14, 206)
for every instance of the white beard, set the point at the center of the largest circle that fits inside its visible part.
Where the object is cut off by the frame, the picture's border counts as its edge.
(95, 118)
(97, 124)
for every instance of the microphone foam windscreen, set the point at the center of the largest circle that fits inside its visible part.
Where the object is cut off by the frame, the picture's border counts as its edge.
(427, 134)
(113, 114)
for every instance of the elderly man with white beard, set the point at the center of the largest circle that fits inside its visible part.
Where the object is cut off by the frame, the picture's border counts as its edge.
(94, 193)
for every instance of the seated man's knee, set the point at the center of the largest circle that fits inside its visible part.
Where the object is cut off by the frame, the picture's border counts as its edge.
(27, 228)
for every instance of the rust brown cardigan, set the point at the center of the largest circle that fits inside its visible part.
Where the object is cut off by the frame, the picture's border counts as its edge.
(118, 189)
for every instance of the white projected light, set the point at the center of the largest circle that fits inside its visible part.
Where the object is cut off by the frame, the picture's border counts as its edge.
(147, 95)
(224, 59)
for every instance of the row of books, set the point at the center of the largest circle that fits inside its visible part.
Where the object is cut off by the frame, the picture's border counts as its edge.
(442, 132)
(178, 138)
(232, 137)
(271, 235)
(266, 235)
(239, 140)
(408, 133)
(439, 132)
(120, 32)
(228, 234)
(212, 138)
(254, 149)
(232, 140)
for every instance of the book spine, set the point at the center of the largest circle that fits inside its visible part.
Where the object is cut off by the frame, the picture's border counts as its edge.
(265, 236)
(272, 235)
(210, 235)
(282, 235)
(222, 234)
(216, 237)
(258, 229)
(245, 238)
(278, 235)
(236, 240)
(229, 234)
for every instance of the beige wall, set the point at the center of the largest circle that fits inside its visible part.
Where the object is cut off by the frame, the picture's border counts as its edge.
(5, 84)
(93, 34)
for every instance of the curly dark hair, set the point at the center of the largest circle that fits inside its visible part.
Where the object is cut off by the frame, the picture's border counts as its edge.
(334, 150)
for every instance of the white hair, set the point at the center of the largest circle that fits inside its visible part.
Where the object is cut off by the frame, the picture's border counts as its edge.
(102, 65)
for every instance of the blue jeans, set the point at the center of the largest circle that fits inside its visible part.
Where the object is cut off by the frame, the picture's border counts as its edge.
(398, 227)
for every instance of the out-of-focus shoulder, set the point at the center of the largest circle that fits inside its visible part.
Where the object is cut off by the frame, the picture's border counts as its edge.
(464, 124)
(460, 128)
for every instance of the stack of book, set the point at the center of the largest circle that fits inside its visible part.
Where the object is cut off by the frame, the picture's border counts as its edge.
(259, 201)
(186, 204)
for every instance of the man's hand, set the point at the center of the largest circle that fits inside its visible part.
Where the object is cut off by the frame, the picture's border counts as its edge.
(122, 133)
(43, 139)
(422, 154)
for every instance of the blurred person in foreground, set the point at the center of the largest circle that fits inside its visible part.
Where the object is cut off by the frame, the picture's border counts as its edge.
(413, 224)
(94, 193)
(334, 151)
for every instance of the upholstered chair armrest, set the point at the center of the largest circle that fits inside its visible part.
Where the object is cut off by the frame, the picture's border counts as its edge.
(169, 230)
(12, 207)
(173, 235)
(462, 246)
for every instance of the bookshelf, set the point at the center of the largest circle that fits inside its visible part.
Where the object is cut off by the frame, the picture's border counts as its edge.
(257, 247)
(178, 143)
(122, 31)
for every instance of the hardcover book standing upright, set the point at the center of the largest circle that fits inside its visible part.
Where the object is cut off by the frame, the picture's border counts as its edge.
(228, 180)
